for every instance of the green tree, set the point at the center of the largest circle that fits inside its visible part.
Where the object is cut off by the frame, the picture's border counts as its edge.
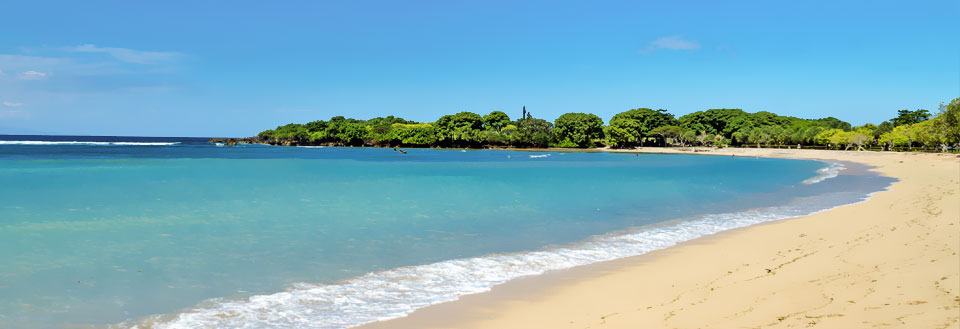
(631, 128)
(578, 129)
(532, 132)
(907, 117)
(861, 136)
(266, 136)
(291, 134)
(379, 130)
(495, 120)
(714, 121)
(317, 125)
(897, 137)
(883, 128)
(411, 134)
(948, 122)
(833, 123)
(459, 130)
(674, 135)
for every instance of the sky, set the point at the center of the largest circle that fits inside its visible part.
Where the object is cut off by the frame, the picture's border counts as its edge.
(233, 68)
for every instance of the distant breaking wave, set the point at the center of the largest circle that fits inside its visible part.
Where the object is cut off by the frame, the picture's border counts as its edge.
(825, 173)
(397, 292)
(88, 143)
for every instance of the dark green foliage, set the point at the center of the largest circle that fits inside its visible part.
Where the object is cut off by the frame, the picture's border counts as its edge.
(907, 117)
(379, 130)
(633, 127)
(291, 134)
(674, 135)
(532, 132)
(947, 122)
(411, 134)
(349, 132)
(883, 128)
(740, 127)
(715, 121)
(495, 121)
(578, 130)
(833, 123)
(459, 130)
(637, 127)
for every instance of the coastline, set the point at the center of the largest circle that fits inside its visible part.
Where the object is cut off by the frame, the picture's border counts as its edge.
(888, 261)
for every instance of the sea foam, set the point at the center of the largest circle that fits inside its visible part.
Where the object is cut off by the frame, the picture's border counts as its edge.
(397, 292)
(825, 173)
(88, 143)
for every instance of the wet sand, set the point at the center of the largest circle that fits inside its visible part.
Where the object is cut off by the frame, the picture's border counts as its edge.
(891, 261)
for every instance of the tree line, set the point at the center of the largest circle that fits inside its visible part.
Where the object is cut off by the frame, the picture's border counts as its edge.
(632, 128)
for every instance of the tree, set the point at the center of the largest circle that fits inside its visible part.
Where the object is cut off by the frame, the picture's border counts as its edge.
(495, 120)
(907, 117)
(630, 128)
(899, 136)
(674, 135)
(948, 122)
(412, 134)
(380, 130)
(532, 132)
(883, 128)
(833, 123)
(832, 137)
(345, 131)
(318, 125)
(266, 135)
(291, 134)
(637, 127)
(861, 136)
(459, 130)
(578, 129)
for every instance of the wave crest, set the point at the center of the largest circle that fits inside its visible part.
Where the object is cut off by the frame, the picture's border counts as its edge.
(397, 292)
(825, 173)
(88, 143)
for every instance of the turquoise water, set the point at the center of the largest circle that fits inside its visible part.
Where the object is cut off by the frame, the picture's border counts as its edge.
(191, 235)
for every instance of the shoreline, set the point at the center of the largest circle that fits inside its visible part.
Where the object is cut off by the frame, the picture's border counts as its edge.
(594, 295)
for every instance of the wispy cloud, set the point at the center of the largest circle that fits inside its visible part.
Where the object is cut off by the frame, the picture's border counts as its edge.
(11, 104)
(33, 75)
(12, 110)
(673, 42)
(128, 55)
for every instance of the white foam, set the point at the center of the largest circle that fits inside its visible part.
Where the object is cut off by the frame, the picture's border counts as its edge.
(397, 292)
(540, 156)
(825, 173)
(88, 143)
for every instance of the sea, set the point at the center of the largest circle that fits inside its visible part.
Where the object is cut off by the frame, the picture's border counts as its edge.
(168, 232)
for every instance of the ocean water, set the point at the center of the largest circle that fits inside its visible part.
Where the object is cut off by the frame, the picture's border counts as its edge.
(179, 233)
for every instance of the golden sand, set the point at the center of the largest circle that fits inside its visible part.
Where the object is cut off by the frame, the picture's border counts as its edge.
(889, 262)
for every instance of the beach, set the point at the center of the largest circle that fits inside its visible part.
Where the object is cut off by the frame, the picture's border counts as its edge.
(890, 261)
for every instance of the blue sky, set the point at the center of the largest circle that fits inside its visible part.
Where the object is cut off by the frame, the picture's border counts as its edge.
(219, 68)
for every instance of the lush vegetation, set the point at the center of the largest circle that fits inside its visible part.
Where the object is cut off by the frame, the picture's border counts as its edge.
(636, 127)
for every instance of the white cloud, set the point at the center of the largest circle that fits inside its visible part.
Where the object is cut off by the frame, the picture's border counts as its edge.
(33, 75)
(672, 42)
(11, 104)
(128, 55)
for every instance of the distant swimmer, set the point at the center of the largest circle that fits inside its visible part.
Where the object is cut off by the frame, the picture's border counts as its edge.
(399, 150)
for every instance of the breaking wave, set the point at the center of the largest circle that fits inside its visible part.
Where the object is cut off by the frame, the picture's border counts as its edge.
(825, 173)
(88, 143)
(397, 292)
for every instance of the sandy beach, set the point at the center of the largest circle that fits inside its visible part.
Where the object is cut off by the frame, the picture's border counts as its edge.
(891, 261)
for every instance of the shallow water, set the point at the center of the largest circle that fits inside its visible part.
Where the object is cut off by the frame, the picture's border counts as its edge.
(179, 233)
